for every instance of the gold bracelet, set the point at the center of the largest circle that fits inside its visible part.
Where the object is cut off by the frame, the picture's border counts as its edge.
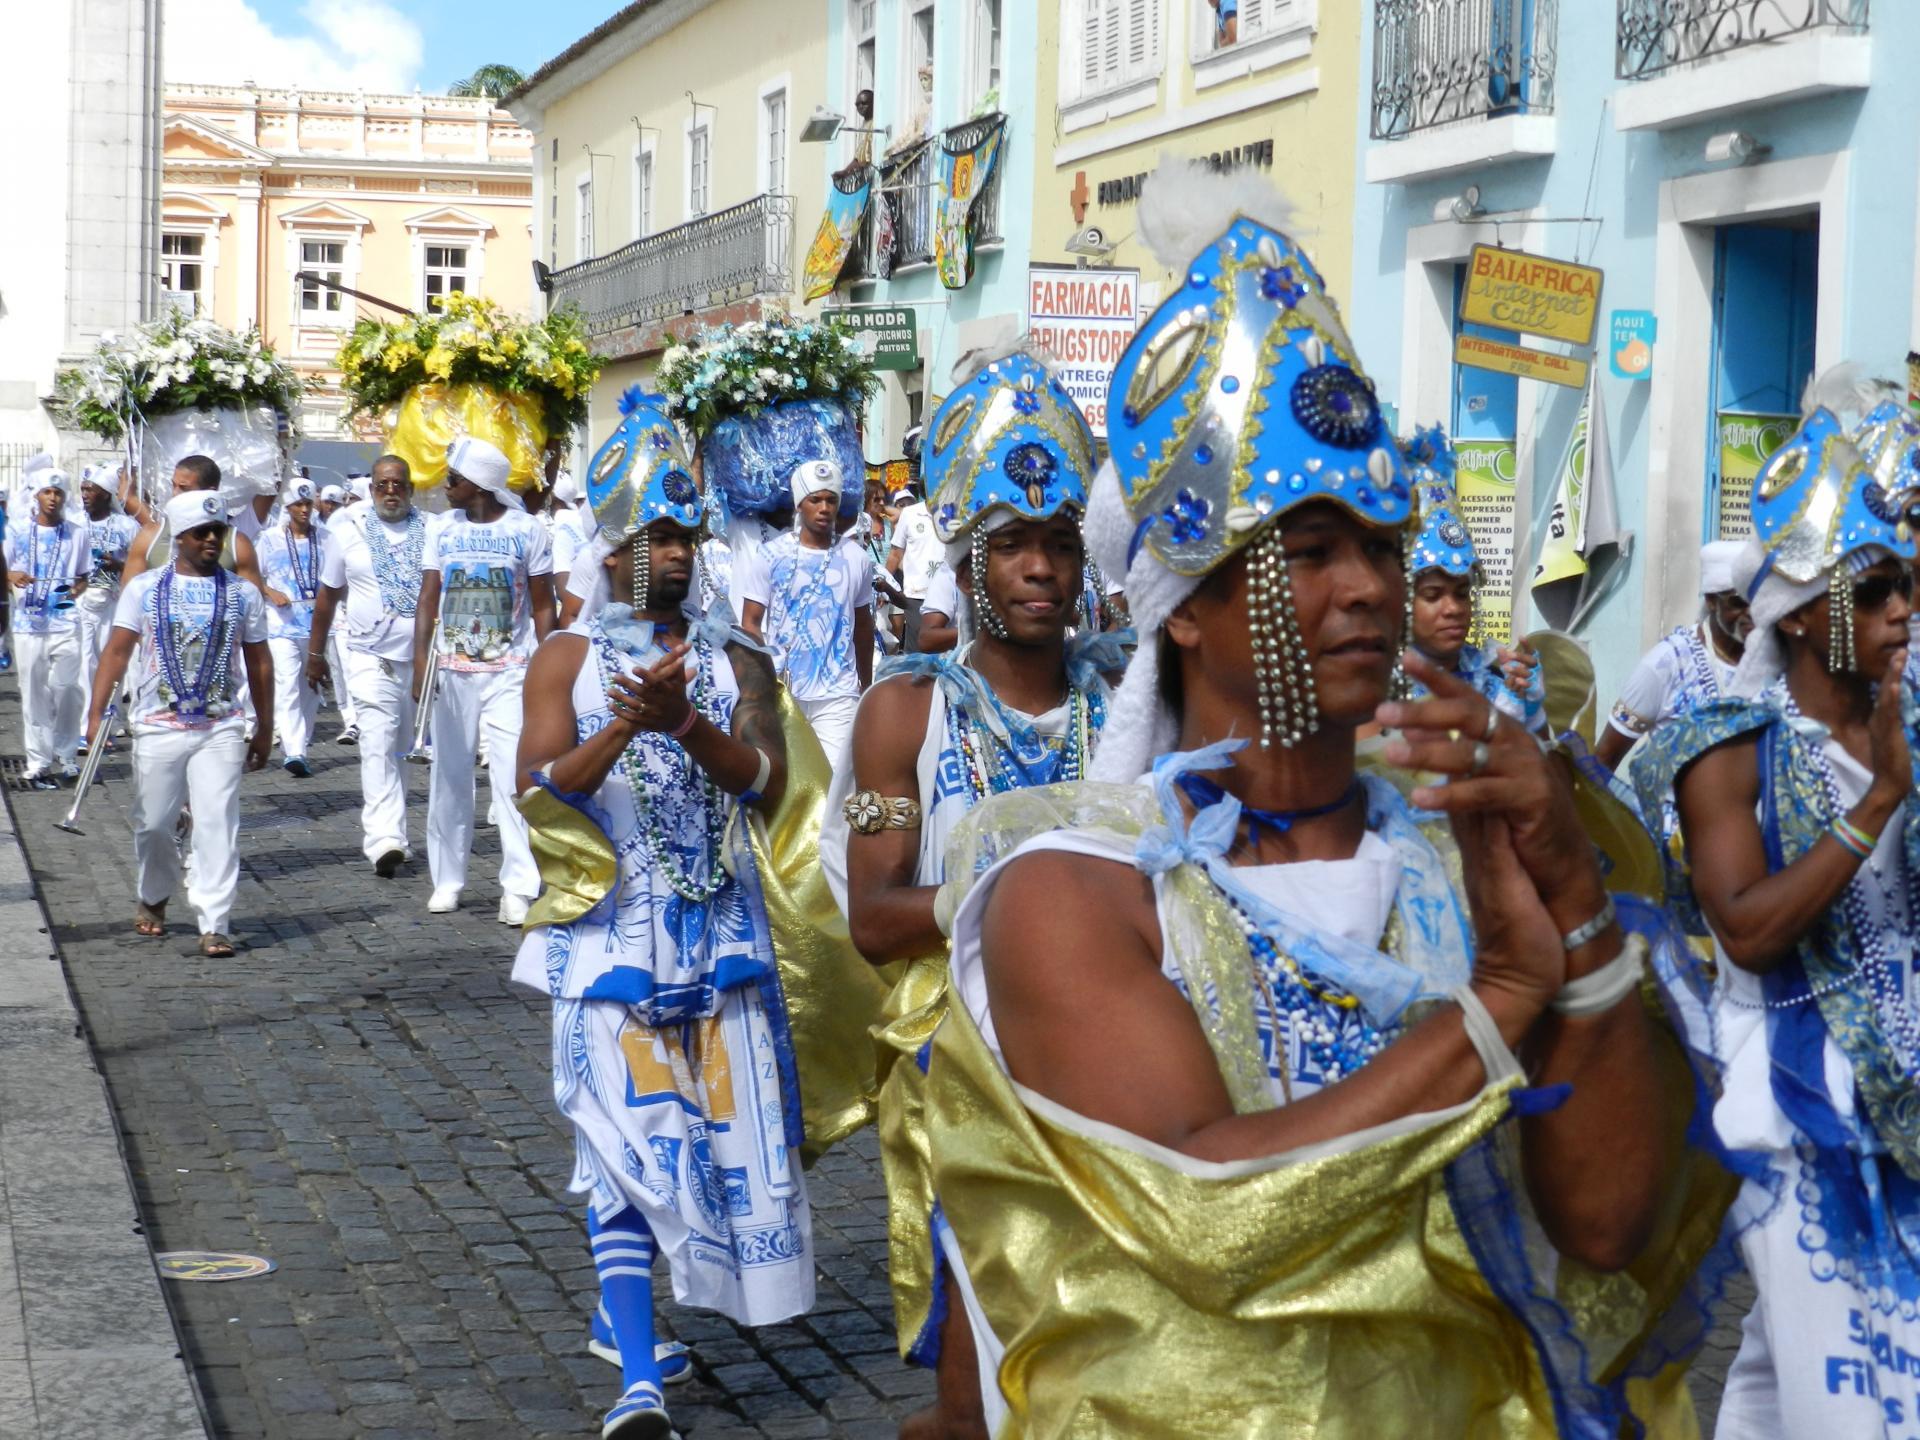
(869, 812)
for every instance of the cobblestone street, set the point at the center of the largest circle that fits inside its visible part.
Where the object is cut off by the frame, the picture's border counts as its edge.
(360, 1096)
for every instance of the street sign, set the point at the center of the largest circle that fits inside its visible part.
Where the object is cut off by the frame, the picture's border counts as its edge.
(1084, 319)
(1512, 290)
(892, 330)
(1518, 360)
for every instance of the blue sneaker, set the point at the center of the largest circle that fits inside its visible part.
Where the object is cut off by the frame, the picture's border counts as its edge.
(674, 1359)
(640, 1414)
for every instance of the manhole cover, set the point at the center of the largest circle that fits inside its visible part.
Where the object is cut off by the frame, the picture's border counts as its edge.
(211, 1265)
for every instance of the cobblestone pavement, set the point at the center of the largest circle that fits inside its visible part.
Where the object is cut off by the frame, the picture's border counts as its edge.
(360, 1096)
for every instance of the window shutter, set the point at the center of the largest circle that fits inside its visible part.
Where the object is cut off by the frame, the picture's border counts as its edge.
(1139, 18)
(1253, 18)
(1092, 14)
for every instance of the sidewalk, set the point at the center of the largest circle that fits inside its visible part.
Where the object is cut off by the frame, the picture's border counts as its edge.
(87, 1349)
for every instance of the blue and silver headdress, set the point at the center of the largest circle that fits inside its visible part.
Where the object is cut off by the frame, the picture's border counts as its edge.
(1815, 505)
(1888, 440)
(640, 475)
(1008, 439)
(1444, 542)
(1240, 399)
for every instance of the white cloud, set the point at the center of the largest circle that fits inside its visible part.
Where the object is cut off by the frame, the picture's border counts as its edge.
(342, 45)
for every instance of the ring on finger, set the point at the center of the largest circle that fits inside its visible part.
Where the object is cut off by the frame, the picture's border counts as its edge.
(1493, 722)
(1482, 753)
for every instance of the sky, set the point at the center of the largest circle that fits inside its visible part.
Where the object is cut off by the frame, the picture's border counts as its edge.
(380, 45)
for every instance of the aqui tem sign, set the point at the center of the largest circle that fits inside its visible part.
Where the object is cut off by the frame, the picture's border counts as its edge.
(895, 332)
(1512, 290)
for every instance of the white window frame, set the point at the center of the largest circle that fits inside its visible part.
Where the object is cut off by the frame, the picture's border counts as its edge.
(688, 129)
(464, 270)
(1135, 87)
(203, 292)
(583, 216)
(983, 39)
(330, 223)
(333, 319)
(1272, 32)
(858, 37)
(778, 87)
(646, 177)
(909, 97)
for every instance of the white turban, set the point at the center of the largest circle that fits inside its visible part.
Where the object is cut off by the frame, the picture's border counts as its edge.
(814, 476)
(1139, 727)
(332, 494)
(1718, 561)
(194, 509)
(566, 489)
(483, 464)
(51, 480)
(1777, 597)
(362, 486)
(298, 491)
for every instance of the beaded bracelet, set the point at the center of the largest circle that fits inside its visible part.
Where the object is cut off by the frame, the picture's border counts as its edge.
(1592, 930)
(1855, 841)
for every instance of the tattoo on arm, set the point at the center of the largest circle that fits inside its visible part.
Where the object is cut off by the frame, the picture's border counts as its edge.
(756, 715)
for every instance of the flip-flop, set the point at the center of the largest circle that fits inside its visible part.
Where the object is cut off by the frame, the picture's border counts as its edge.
(150, 921)
(215, 946)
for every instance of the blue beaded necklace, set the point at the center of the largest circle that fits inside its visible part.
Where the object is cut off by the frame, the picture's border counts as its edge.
(993, 768)
(194, 700)
(42, 573)
(631, 767)
(306, 576)
(397, 572)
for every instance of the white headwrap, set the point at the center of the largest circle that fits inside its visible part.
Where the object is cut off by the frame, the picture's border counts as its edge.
(1765, 658)
(51, 480)
(813, 476)
(194, 509)
(483, 464)
(566, 489)
(1719, 560)
(299, 490)
(362, 485)
(1139, 727)
(332, 494)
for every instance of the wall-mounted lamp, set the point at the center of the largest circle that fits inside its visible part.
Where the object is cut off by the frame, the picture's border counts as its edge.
(1735, 147)
(1460, 208)
(824, 126)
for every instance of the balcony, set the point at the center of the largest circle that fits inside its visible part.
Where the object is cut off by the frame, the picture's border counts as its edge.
(908, 184)
(721, 259)
(1698, 60)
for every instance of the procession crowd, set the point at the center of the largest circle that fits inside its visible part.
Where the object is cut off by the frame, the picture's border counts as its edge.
(1276, 1018)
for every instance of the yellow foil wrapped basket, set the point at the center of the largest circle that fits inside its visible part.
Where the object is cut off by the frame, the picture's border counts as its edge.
(433, 416)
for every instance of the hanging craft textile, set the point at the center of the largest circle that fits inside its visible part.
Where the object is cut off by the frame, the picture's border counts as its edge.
(968, 155)
(839, 227)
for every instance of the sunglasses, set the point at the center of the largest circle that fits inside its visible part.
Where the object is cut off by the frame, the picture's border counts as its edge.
(1874, 592)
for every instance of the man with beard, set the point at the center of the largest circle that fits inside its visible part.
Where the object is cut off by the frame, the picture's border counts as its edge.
(1009, 458)
(486, 600)
(648, 726)
(374, 563)
(1690, 668)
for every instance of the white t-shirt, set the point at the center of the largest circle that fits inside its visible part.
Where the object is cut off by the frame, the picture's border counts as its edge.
(943, 593)
(108, 539)
(1682, 672)
(295, 568)
(569, 537)
(810, 598)
(190, 609)
(372, 625)
(921, 552)
(486, 623)
(52, 557)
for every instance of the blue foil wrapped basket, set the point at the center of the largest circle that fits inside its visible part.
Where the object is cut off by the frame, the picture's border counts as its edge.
(749, 458)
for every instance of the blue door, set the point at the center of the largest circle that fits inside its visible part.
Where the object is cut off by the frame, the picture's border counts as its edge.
(1486, 405)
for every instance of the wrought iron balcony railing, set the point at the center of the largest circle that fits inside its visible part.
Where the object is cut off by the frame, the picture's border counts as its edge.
(730, 255)
(1655, 36)
(909, 185)
(1437, 61)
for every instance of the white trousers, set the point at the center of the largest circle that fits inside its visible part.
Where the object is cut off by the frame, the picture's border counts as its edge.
(337, 669)
(96, 625)
(295, 702)
(381, 694)
(832, 722)
(463, 704)
(52, 704)
(172, 768)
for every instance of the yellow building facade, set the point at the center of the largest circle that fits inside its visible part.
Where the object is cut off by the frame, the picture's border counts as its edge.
(667, 159)
(401, 197)
(1128, 81)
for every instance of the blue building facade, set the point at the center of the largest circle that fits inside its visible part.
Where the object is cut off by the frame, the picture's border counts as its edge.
(1745, 174)
(939, 70)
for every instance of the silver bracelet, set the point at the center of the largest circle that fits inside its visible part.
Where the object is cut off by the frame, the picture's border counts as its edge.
(760, 777)
(1605, 987)
(1593, 929)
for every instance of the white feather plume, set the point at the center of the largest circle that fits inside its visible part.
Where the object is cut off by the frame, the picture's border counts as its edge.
(1185, 207)
(973, 361)
(1848, 390)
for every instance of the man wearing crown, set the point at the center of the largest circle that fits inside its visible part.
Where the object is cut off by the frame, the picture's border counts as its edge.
(1229, 1125)
(1802, 838)
(648, 725)
(1008, 459)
